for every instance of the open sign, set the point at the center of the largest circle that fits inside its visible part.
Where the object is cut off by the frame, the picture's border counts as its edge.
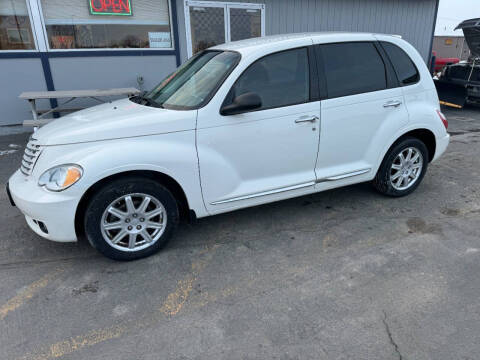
(110, 7)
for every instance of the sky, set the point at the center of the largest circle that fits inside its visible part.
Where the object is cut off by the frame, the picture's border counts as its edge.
(453, 12)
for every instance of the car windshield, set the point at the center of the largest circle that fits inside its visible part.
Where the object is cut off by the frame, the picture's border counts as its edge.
(193, 84)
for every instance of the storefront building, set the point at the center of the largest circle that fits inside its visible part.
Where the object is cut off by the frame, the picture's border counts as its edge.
(101, 44)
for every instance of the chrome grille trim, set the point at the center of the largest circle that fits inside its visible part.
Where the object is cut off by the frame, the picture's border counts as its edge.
(30, 151)
(30, 157)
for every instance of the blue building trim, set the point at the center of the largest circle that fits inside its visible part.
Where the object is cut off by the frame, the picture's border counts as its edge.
(47, 73)
(103, 53)
(19, 55)
(88, 53)
(176, 41)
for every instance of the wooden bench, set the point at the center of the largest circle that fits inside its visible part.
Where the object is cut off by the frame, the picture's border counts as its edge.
(39, 115)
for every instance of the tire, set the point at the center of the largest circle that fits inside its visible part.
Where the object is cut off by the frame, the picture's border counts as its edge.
(386, 180)
(122, 232)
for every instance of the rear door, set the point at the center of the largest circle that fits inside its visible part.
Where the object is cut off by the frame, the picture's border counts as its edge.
(362, 108)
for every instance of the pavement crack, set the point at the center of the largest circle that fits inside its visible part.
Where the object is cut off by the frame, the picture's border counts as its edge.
(390, 336)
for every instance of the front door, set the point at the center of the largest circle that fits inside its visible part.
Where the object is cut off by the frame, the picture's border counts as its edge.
(267, 154)
(211, 23)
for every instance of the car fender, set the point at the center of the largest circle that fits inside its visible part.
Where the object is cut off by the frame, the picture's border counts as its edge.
(172, 154)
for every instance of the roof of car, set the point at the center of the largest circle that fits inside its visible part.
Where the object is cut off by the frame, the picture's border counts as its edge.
(274, 40)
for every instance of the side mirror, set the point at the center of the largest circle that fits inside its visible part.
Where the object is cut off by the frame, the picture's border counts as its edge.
(242, 103)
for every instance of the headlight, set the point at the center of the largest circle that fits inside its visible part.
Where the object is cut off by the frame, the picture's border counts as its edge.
(60, 177)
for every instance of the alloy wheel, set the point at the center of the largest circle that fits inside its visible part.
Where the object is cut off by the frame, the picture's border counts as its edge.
(406, 168)
(133, 222)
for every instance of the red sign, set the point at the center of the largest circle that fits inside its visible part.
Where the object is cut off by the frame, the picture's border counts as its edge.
(110, 7)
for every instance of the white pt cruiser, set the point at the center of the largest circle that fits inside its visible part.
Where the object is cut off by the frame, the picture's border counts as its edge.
(238, 125)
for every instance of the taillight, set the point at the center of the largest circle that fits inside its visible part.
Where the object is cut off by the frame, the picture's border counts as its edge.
(443, 118)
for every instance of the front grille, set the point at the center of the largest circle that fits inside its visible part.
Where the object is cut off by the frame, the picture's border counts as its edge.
(30, 156)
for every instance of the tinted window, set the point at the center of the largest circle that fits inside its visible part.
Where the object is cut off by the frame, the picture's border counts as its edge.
(279, 79)
(406, 71)
(353, 68)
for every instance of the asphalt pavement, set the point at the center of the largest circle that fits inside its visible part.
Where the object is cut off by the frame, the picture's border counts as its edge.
(343, 274)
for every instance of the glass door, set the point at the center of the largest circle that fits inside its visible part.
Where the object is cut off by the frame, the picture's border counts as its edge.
(210, 23)
(245, 22)
(207, 26)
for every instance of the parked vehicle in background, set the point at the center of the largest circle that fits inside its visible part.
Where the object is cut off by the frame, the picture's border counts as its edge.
(440, 62)
(459, 83)
(238, 125)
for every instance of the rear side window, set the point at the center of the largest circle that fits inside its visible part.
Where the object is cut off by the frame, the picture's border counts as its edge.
(405, 69)
(280, 79)
(353, 68)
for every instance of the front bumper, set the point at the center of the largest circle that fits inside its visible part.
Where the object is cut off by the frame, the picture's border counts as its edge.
(50, 214)
(441, 146)
(7, 188)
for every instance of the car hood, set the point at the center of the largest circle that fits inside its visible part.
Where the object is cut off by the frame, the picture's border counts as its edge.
(115, 120)
(471, 30)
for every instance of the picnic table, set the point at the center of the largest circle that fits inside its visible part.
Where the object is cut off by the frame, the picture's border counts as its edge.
(71, 95)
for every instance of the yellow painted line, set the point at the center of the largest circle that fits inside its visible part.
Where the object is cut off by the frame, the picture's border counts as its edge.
(76, 343)
(171, 306)
(79, 342)
(27, 293)
(177, 298)
(450, 104)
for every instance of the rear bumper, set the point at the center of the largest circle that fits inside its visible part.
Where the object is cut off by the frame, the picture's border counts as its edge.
(44, 210)
(473, 93)
(441, 146)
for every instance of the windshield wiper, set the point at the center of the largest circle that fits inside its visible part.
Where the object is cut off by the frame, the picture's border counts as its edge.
(143, 100)
(150, 102)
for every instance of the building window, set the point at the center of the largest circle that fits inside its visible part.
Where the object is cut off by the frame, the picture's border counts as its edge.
(209, 23)
(96, 24)
(15, 29)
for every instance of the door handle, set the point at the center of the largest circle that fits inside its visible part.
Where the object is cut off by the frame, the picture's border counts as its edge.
(394, 103)
(303, 119)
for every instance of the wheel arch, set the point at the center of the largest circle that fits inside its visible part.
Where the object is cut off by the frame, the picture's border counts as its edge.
(423, 134)
(427, 137)
(170, 183)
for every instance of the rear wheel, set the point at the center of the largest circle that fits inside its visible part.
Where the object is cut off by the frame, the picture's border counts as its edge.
(131, 218)
(403, 168)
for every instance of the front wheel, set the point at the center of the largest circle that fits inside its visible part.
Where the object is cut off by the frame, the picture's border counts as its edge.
(403, 168)
(130, 218)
